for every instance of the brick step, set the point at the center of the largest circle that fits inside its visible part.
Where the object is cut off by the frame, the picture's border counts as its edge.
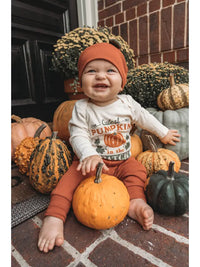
(125, 245)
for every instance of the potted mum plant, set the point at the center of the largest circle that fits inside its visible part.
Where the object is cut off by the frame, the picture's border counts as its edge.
(68, 48)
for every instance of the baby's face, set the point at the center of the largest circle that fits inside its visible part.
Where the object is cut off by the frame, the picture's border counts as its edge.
(101, 82)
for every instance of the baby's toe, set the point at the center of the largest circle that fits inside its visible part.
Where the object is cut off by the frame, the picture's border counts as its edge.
(59, 241)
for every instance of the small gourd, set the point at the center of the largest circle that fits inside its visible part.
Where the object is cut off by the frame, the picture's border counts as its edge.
(157, 159)
(24, 150)
(101, 201)
(174, 97)
(48, 162)
(167, 192)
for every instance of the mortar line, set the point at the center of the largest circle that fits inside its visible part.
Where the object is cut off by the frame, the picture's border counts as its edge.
(78, 257)
(177, 237)
(137, 250)
(18, 257)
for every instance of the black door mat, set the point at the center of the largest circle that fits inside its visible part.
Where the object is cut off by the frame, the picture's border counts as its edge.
(29, 208)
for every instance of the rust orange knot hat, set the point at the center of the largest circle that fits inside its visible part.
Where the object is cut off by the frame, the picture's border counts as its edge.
(107, 52)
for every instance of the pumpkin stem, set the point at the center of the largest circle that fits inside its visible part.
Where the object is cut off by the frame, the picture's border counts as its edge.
(172, 82)
(39, 130)
(54, 135)
(98, 173)
(152, 144)
(170, 174)
(16, 118)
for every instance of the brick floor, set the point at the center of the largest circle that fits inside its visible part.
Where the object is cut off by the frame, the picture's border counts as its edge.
(127, 244)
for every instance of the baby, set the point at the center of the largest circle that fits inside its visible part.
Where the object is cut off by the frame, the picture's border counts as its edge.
(100, 132)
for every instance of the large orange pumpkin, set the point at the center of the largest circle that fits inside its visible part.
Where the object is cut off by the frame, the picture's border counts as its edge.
(101, 201)
(61, 118)
(157, 159)
(26, 127)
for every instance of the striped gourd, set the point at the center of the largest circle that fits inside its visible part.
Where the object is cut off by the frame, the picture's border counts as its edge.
(174, 97)
(24, 150)
(157, 159)
(49, 161)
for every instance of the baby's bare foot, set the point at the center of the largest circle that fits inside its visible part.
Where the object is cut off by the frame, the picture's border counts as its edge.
(51, 234)
(140, 211)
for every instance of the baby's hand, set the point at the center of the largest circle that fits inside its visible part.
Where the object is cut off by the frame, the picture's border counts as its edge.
(171, 137)
(90, 163)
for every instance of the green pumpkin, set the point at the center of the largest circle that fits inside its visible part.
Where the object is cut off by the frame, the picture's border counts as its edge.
(173, 119)
(167, 192)
(49, 161)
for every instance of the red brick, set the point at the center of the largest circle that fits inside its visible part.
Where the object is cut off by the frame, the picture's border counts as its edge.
(78, 235)
(178, 1)
(154, 5)
(143, 40)
(131, 3)
(108, 12)
(110, 253)
(14, 263)
(142, 9)
(158, 244)
(143, 60)
(119, 18)
(187, 32)
(155, 58)
(130, 14)
(115, 30)
(101, 23)
(24, 239)
(109, 22)
(110, 2)
(133, 36)
(154, 32)
(168, 2)
(124, 31)
(179, 24)
(166, 15)
(183, 55)
(169, 56)
(176, 224)
(100, 4)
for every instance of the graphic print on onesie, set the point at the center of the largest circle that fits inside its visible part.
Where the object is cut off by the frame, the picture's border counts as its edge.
(112, 139)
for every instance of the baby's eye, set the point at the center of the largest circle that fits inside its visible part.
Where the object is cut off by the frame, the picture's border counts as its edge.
(91, 71)
(111, 70)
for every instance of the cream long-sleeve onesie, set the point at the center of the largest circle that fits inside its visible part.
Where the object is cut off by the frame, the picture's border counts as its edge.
(105, 131)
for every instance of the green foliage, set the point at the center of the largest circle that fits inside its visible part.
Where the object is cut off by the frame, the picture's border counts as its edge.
(68, 48)
(145, 82)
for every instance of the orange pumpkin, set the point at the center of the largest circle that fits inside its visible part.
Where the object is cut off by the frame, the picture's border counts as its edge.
(136, 145)
(157, 159)
(101, 201)
(114, 140)
(24, 150)
(61, 118)
(22, 128)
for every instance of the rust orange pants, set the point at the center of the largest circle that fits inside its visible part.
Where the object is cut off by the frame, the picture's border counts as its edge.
(130, 172)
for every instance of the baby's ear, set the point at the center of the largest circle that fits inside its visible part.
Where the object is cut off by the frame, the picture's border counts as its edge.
(115, 42)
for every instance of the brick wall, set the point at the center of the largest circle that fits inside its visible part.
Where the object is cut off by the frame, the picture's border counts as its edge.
(157, 30)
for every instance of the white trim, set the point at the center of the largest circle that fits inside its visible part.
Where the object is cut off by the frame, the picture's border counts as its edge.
(87, 13)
